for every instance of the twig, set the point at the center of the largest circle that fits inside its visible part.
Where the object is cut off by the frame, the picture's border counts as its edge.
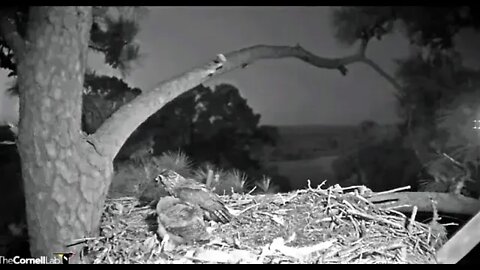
(392, 208)
(358, 196)
(352, 187)
(355, 225)
(390, 191)
(248, 208)
(348, 204)
(412, 219)
(240, 203)
(252, 190)
(435, 217)
(328, 200)
(284, 201)
(396, 212)
(309, 185)
(367, 216)
(300, 253)
(84, 240)
(321, 184)
(276, 219)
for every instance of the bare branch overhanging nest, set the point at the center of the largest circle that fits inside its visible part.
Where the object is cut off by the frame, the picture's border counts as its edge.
(334, 225)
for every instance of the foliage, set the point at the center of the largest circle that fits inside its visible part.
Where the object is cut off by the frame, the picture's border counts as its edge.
(132, 177)
(230, 182)
(380, 161)
(206, 170)
(210, 125)
(458, 121)
(354, 23)
(117, 42)
(177, 161)
(113, 34)
(438, 94)
(103, 95)
(266, 185)
(19, 14)
(222, 182)
(426, 26)
(440, 103)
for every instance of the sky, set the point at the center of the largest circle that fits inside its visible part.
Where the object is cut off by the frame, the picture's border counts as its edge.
(285, 91)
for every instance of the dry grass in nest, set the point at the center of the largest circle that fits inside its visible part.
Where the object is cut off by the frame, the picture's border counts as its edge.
(334, 225)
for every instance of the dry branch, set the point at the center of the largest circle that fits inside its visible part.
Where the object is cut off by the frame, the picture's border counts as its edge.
(446, 203)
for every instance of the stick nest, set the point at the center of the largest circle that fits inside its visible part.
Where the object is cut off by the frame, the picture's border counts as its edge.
(334, 225)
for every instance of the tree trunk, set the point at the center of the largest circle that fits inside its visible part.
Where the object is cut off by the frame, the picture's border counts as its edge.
(65, 179)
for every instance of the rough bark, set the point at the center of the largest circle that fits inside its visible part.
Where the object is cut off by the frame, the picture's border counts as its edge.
(65, 180)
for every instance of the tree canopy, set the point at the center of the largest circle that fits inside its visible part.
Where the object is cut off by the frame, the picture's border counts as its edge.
(113, 34)
(424, 26)
(436, 93)
(209, 124)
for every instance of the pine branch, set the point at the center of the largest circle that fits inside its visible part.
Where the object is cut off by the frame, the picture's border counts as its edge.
(382, 73)
(10, 33)
(114, 132)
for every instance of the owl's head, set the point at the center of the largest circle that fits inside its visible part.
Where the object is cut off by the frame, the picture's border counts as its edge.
(167, 178)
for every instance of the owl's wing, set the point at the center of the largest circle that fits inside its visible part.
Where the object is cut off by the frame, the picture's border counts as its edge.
(191, 184)
(210, 202)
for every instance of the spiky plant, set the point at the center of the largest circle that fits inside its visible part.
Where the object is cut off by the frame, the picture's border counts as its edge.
(266, 186)
(206, 173)
(230, 182)
(177, 161)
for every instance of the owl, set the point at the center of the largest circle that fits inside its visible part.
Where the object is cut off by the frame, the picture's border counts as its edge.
(195, 193)
(181, 220)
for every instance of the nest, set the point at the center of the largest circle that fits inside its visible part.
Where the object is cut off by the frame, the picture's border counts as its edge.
(334, 225)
